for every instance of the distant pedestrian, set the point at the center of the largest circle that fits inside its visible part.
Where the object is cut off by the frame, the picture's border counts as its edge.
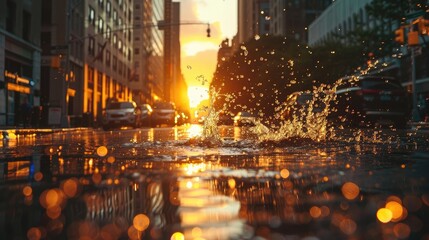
(25, 112)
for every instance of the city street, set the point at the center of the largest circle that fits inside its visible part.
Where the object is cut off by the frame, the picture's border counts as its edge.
(170, 183)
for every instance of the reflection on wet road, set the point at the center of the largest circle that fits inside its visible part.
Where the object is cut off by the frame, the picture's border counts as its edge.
(166, 184)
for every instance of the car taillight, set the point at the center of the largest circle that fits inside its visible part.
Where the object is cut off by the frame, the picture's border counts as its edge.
(368, 91)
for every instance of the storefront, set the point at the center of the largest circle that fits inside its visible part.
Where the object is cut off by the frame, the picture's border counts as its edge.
(18, 91)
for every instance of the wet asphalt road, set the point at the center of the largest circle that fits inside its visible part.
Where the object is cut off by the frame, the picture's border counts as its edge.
(167, 183)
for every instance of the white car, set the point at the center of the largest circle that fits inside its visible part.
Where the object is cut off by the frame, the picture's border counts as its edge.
(164, 113)
(244, 119)
(119, 114)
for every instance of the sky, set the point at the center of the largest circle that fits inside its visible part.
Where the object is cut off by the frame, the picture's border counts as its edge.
(199, 53)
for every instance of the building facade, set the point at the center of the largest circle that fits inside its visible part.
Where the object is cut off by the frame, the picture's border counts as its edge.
(94, 66)
(291, 18)
(253, 19)
(20, 59)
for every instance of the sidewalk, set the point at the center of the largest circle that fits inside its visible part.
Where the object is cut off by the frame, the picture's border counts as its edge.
(7, 131)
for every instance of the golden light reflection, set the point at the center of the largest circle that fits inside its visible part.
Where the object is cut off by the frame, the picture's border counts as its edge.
(315, 212)
(111, 159)
(396, 209)
(384, 215)
(133, 233)
(284, 173)
(195, 131)
(34, 233)
(197, 232)
(177, 236)
(350, 190)
(192, 168)
(102, 151)
(348, 226)
(141, 222)
(38, 176)
(70, 187)
(27, 191)
(231, 183)
(96, 178)
(401, 230)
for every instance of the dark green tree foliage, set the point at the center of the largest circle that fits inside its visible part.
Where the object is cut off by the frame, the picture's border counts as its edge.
(260, 75)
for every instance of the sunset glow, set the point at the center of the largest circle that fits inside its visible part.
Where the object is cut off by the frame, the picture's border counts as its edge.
(199, 52)
(196, 95)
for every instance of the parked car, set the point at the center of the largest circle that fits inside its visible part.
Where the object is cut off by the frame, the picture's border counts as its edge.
(297, 105)
(119, 114)
(164, 113)
(368, 99)
(146, 114)
(244, 119)
(225, 118)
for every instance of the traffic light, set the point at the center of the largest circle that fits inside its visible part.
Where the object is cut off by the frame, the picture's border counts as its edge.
(399, 35)
(208, 30)
(423, 26)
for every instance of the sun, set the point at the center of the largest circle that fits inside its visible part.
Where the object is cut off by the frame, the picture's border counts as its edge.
(197, 94)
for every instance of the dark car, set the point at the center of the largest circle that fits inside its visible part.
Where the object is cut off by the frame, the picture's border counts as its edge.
(146, 114)
(298, 104)
(365, 100)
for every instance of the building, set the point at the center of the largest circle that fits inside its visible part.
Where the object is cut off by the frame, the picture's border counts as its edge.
(148, 63)
(291, 18)
(20, 59)
(253, 19)
(81, 75)
(178, 87)
(338, 19)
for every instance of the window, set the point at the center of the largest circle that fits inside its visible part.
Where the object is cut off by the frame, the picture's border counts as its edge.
(136, 51)
(115, 40)
(91, 48)
(91, 17)
(108, 32)
(115, 17)
(26, 25)
(115, 63)
(47, 12)
(100, 25)
(10, 16)
(101, 3)
(109, 8)
(108, 58)
(120, 45)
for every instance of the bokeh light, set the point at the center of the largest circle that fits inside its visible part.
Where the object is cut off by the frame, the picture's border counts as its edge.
(102, 151)
(34, 233)
(284, 173)
(231, 183)
(396, 209)
(401, 230)
(384, 215)
(350, 190)
(70, 187)
(141, 222)
(38, 176)
(348, 226)
(315, 212)
(27, 191)
(177, 236)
